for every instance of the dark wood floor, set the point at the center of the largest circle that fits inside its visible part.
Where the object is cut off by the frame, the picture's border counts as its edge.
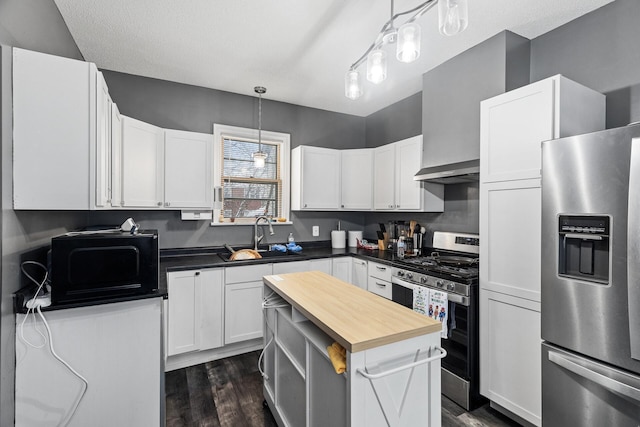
(228, 393)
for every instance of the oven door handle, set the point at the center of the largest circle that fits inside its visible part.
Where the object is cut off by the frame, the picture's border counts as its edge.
(458, 299)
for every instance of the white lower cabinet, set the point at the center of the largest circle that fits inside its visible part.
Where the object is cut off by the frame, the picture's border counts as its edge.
(510, 355)
(379, 280)
(243, 302)
(194, 310)
(359, 273)
(341, 268)
(115, 347)
(323, 264)
(291, 267)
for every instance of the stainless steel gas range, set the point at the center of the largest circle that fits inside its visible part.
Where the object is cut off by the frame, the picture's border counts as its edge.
(450, 266)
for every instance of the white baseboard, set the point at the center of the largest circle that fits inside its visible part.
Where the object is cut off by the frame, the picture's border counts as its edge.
(197, 357)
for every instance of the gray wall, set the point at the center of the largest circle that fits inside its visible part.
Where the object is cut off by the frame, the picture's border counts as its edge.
(396, 122)
(178, 106)
(452, 93)
(599, 50)
(35, 25)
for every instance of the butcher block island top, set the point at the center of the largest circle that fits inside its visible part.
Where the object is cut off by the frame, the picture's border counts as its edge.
(357, 319)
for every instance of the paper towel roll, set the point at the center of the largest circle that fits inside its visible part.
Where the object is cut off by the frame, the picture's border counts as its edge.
(338, 239)
(354, 236)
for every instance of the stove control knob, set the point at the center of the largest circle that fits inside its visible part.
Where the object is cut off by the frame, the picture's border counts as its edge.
(423, 280)
(440, 283)
(409, 275)
(451, 286)
(400, 273)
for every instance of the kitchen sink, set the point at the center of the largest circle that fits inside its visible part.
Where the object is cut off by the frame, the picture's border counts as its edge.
(263, 253)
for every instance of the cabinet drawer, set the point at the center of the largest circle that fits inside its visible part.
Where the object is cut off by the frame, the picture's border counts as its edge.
(380, 271)
(380, 287)
(247, 273)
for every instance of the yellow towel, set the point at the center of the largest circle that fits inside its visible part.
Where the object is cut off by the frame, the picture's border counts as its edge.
(338, 356)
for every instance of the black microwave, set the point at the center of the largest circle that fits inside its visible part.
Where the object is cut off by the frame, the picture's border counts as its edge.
(95, 265)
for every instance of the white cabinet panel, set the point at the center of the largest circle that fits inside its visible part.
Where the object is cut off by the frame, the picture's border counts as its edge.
(115, 347)
(247, 273)
(103, 143)
(323, 265)
(243, 311)
(142, 164)
(356, 182)
(384, 178)
(211, 308)
(53, 131)
(183, 316)
(291, 267)
(379, 280)
(315, 178)
(408, 162)
(187, 169)
(394, 187)
(116, 156)
(514, 124)
(194, 310)
(510, 216)
(359, 273)
(341, 268)
(510, 372)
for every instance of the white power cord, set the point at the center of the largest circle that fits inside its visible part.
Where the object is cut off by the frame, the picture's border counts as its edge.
(36, 304)
(269, 302)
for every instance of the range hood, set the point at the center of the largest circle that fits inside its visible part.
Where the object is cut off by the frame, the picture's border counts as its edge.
(453, 173)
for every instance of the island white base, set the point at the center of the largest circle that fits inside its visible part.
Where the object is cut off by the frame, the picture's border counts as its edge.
(302, 388)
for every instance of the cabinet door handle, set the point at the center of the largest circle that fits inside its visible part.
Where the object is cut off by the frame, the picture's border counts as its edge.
(167, 204)
(382, 285)
(391, 206)
(381, 268)
(197, 273)
(159, 203)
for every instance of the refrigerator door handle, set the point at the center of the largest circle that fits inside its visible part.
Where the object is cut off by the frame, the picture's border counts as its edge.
(604, 381)
(633, 250)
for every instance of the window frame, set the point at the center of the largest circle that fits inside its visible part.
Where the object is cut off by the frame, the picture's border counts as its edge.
(283, 139)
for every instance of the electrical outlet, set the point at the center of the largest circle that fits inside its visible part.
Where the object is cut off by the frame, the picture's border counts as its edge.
(315, 231)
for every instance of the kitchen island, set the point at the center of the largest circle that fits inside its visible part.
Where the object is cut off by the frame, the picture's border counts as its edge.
(392, 364)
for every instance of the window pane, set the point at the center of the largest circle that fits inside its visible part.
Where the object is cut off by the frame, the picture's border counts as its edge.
(238, 159)
(245, 169)
(250, 199)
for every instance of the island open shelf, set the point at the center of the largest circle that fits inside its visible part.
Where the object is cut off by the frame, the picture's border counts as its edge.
(392, 375)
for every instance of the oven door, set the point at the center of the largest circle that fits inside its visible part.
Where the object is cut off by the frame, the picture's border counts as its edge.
(457, 343)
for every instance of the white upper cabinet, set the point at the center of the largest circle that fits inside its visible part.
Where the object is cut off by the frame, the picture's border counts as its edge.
(55, 131)
(356, 184)
(384, 178)
(142, 164)
(187, 169)
(315, 178)
(103, 143)
(514, 124)
(394, 187)
(116, 156)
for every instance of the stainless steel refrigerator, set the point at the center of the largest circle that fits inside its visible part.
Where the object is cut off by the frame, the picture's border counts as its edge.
(591, 279)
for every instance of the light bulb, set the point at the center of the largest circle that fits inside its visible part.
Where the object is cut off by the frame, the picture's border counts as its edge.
(377, 66)
(258, 159)
(408, 43)
(452, 16)
(352, 85)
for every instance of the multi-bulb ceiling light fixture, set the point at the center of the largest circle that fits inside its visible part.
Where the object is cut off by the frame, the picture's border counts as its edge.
(452, 19)
(259, 156)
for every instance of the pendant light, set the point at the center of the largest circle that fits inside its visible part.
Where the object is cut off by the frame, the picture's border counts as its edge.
(453, 16)
(259, 156)
(352, 85)
(452, 19)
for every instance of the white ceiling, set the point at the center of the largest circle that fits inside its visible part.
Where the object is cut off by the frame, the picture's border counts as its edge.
(299, 50)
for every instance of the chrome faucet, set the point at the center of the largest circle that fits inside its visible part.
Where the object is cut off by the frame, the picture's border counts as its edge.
(256, 238)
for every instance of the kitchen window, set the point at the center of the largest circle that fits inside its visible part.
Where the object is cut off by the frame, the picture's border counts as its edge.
(249, 192)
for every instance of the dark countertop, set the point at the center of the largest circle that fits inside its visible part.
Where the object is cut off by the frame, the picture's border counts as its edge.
(199, 258)
(180, 259)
